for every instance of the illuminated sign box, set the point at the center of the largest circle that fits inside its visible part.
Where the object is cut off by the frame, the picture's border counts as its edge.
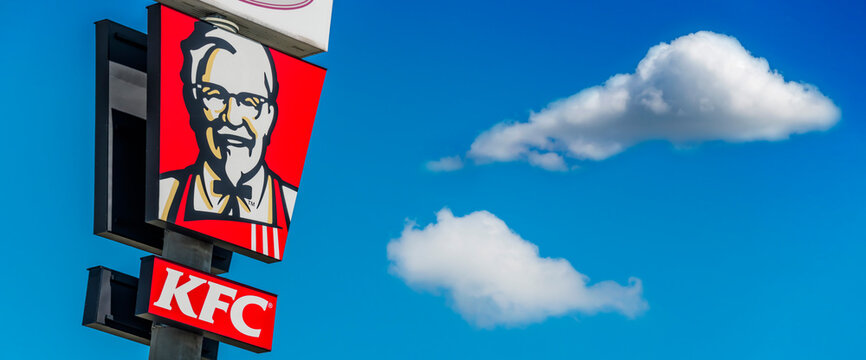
(221, 309)
(229, 121)
(297, 27)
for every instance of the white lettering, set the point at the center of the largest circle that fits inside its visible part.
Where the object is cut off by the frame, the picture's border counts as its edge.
(237, 314)
(171, 290)
(212, 301)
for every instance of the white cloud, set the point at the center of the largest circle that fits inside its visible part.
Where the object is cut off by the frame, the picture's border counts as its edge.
(549, 161)
(494, 277)
(700, 87)
(451, 163)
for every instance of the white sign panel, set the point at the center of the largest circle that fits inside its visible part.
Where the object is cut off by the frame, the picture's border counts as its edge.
(297, 27)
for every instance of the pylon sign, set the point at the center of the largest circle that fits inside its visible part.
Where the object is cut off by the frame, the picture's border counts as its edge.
(229, 121)
(229, 111)
(224, 310)
(297, 27)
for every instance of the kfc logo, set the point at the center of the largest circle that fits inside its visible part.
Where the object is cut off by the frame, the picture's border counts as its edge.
(214, 300)
(279, 4)
(234, 123)
(224, 310)
(230, 92)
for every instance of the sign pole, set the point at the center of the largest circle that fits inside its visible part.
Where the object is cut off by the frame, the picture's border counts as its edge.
(188, 251)
(167, 342)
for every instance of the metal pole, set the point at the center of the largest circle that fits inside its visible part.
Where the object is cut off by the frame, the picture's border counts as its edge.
(166, 342)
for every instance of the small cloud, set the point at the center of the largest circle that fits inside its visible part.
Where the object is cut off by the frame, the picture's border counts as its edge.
(494, 277)
(450, 163)
(548, 161)
(700, 87)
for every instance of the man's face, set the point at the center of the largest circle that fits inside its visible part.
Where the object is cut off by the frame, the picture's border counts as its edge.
(234, 103)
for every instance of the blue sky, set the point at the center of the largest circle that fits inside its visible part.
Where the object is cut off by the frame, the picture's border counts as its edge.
(750, 250)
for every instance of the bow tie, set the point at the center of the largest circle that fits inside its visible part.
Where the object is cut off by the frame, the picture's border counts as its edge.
(226, 188)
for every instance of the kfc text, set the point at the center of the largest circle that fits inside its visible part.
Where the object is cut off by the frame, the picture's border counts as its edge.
(224, 310)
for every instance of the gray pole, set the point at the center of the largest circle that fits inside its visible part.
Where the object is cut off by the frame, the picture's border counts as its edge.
(166, 342)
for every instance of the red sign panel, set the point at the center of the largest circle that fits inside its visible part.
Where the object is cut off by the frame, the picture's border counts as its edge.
(222, 309)
(229, 121)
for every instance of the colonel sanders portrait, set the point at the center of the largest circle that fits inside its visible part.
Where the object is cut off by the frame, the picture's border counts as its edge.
(230, 91)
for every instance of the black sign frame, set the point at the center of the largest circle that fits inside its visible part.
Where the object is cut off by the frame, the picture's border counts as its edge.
(110, 307)
(120, 150)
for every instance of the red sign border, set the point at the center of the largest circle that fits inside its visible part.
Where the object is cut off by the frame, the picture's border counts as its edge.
(152, 170)
(272, 6)
(142, 303)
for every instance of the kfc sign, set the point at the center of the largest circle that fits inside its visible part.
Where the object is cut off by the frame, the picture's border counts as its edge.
(223, 310)
(229, 121)
(297, 27)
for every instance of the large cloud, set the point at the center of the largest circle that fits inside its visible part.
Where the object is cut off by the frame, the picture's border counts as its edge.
(700, 87)
(494, 277)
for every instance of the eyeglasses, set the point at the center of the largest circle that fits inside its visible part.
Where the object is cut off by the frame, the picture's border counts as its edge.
(215, 98)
